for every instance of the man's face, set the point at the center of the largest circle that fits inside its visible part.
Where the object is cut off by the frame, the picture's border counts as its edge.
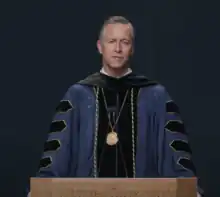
(116, 45)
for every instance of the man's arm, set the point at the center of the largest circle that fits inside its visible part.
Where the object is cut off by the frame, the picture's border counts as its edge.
(57, 149)
(60, 145)
(177, 153)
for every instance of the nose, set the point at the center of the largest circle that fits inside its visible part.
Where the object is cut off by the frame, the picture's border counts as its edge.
(118, 47)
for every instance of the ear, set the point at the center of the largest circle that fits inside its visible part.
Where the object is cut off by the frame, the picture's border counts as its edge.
(99, 46)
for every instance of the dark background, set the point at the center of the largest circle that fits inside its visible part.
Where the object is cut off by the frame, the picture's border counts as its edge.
(46, 46)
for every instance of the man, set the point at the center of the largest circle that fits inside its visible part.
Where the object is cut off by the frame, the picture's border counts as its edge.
(115, 123)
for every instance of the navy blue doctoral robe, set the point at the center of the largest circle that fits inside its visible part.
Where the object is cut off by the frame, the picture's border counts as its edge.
(162, 145)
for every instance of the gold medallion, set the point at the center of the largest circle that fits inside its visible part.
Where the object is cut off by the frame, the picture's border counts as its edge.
(112, 138)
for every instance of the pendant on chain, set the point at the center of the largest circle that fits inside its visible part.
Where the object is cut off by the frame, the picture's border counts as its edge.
(112, 138)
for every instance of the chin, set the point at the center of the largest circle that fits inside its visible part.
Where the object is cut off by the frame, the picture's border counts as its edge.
(117, 66)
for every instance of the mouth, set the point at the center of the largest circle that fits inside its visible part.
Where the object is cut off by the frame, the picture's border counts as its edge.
(117, 57)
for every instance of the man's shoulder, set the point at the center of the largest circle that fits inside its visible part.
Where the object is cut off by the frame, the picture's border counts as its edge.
(77, 93)
(157, 88)
(156, 91)
(77, 88)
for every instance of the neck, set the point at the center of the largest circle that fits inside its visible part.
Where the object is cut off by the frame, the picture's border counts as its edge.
(117, 73)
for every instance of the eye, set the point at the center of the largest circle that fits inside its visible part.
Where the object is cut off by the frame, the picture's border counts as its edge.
(111, 41)
(126, 42)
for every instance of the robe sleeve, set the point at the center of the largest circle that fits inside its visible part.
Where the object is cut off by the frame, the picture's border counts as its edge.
(60, 149)
(177, 153)
(57, 153)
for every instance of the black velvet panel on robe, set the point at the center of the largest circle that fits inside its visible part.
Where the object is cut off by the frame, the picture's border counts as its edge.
(116, 160)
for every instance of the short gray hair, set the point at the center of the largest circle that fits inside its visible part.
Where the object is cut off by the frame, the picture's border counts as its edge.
(115, 20)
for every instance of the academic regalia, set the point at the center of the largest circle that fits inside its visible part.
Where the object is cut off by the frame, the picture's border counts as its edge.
(152, 140)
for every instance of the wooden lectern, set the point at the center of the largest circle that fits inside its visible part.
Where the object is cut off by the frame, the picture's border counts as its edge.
(103, 187)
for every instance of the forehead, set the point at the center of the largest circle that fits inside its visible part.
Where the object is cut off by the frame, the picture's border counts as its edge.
(118, 31)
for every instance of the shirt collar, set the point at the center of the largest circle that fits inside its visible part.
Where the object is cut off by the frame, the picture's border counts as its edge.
(128, 71)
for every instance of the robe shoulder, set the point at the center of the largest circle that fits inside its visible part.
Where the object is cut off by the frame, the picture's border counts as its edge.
(75, 91)
(159, 89)
(159, 92)
(76, 88)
